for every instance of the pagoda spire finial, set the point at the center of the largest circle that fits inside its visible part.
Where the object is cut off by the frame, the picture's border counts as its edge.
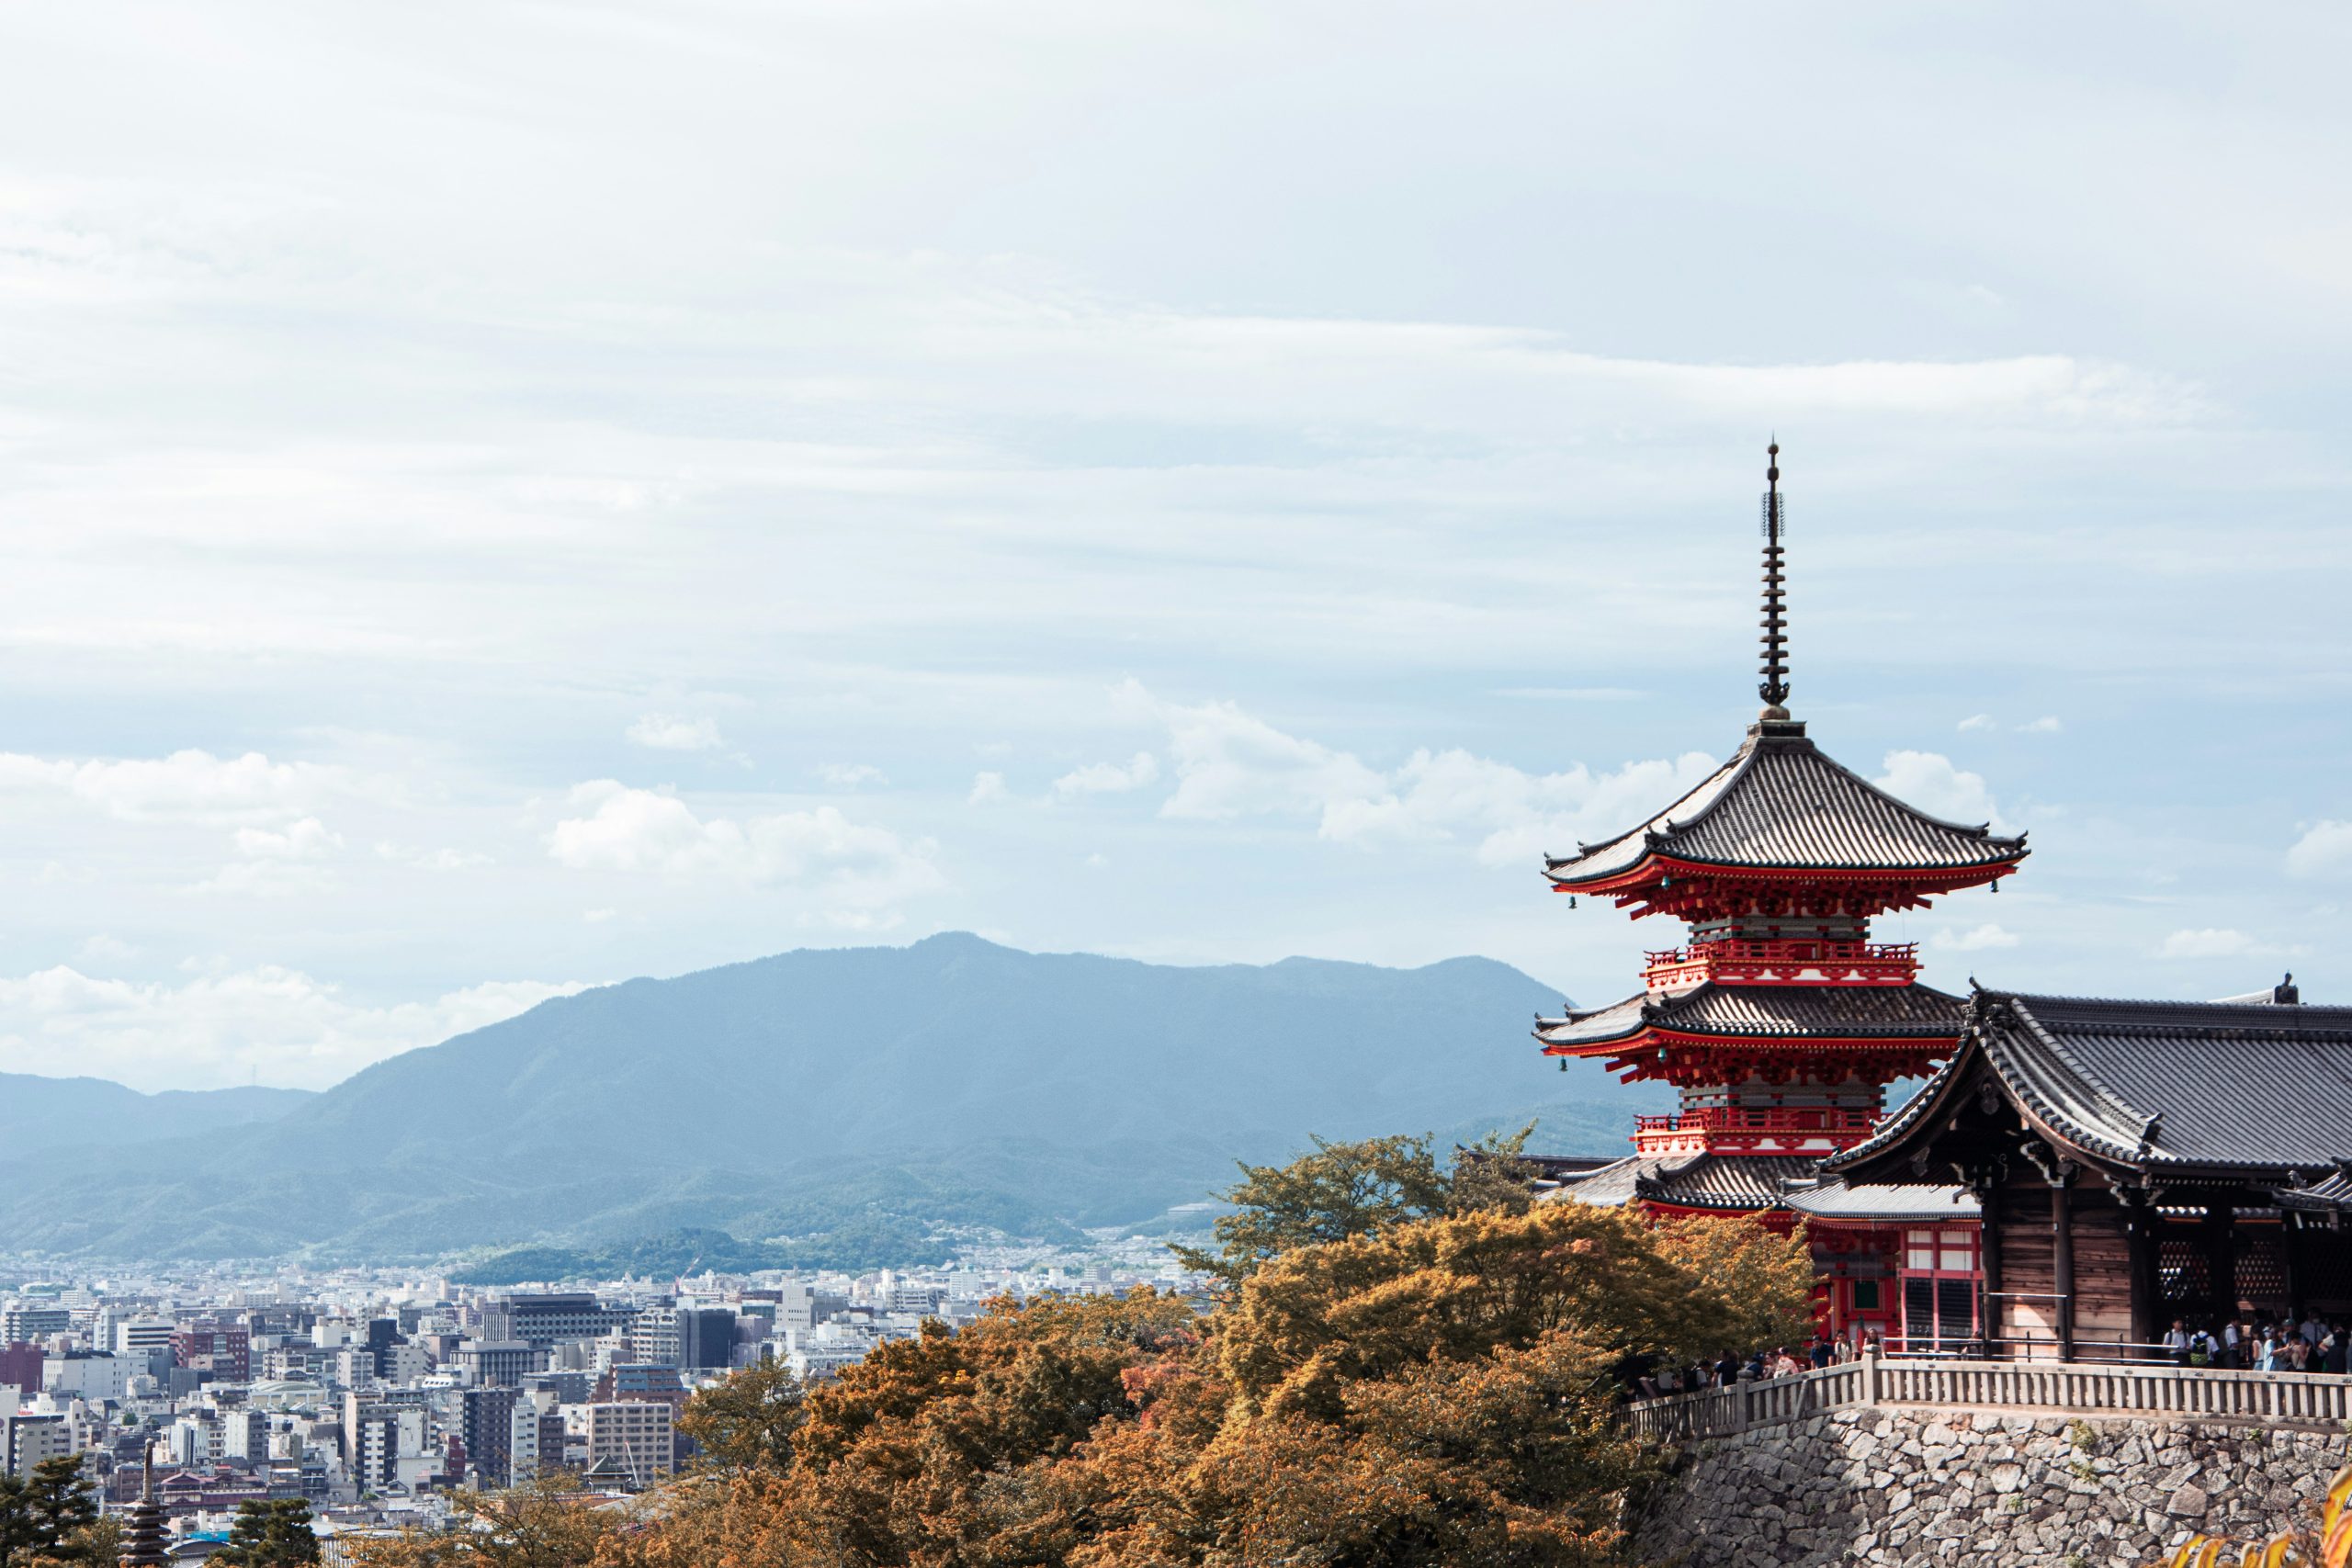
(1774, 689)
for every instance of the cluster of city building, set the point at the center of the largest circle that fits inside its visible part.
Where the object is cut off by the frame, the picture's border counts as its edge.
(373, 1396)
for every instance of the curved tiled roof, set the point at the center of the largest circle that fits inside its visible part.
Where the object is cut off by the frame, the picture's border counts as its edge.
(2159, 1083)
(1747, 1183)
(2334, 1194)
(1782, 803)
(1736, 1183)
(1727, 1181)
(1831, 1198)
(1611, 1186)
(1769, 1012)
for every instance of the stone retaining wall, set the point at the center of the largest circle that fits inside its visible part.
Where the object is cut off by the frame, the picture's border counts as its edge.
(1910, 1488)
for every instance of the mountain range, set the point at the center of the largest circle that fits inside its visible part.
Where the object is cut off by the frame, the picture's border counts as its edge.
(48, 1113)
(953, 1082)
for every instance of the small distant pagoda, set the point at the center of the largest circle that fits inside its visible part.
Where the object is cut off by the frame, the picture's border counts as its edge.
(1778, 1020)
(146, 1540)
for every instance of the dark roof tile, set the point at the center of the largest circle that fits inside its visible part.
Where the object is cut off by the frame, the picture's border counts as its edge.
(2161, 1083)
(1780, 802)
(1772, 1012)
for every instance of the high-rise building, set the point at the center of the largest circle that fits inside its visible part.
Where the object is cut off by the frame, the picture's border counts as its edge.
(20, 1366)
(223, 1350)
(34, 1320)
(486, 1424)
(683, 1336)
(637, 1435)
(705, 1337)
(29, 1440)
(498, 1362)
(550, 1319)
(371, 1435)
(137, 1335)
(244, 1434)
(91, 1375)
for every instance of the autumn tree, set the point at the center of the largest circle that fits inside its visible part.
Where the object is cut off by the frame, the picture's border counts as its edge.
(1433, 1391)
(1344, 1190)
(543, 1523)
(746, 1421)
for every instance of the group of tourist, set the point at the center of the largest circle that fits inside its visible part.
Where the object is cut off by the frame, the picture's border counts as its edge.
(2261, 1343)
(1728, 1370)
(2254, 1341)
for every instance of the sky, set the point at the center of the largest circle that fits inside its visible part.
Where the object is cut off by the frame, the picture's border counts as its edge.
(504, 497)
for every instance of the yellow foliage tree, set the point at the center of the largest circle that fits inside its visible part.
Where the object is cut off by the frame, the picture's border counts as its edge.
(1443, 1391)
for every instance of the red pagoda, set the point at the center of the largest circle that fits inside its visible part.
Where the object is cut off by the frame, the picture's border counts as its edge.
(1778, 1020)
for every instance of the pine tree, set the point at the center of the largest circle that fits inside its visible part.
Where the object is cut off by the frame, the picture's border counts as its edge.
(273, 1534)
(46, 1518)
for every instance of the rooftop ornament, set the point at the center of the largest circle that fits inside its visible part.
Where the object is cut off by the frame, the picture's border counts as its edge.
(1774, 689)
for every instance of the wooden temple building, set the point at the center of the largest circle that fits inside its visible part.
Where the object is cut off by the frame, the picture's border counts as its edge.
(2136, 1162)
(2080, 1172)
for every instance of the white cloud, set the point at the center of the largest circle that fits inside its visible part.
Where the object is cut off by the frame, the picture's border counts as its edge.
(598, 916)
(102, 948)
(648, 831)
(2046, 725)
(1977, 721)
(1929, 781)
(1977, 939)
(277, 864)
(186, 786)
(851, 775)
(2326, 848)
(434, 860)
(987, 787)
(673, 732)
(1229, 763)
(2210, 942)
(271, 1025)
(1108, 778)
(305, 840)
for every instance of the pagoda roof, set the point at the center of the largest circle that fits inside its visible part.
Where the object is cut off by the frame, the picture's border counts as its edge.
(2152, 1086)
(1781, 804)
(1733, 1183)
(1767, 1012)
(1752, 1183)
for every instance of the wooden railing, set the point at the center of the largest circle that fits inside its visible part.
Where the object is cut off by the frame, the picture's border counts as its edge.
(2302, 1399)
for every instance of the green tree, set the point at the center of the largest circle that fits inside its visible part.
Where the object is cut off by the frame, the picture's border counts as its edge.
(53, 1511)
(747, 1421)
(274, 1533)
(1344, 1190)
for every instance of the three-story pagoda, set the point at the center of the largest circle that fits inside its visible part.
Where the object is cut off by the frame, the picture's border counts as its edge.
(1776, 1018)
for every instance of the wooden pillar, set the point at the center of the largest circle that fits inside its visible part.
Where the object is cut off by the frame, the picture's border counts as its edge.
(2143, 1225)
(2289, 1235)
(2061, 1258)
(2222, 1260)
(1988, 1253)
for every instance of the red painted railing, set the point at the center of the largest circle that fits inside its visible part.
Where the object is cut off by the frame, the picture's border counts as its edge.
(1775, 1119)
(1784, 961)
